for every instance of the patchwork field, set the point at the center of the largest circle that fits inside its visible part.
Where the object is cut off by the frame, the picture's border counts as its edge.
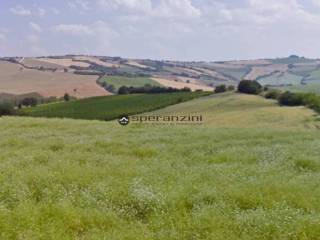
(16, 80)
(111, 107)
(251, 171)
(180, 85)
(279, 79)
(119, 81)
(257, 72)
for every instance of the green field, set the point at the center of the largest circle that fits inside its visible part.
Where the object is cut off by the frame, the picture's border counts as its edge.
(251, 171)
(119, 81)
(110, 107)
(308, 88)
(281, 79)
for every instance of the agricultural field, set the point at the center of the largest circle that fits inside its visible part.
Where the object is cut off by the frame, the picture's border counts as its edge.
(250, 171)
(16, 80)
(314, 77)
(180, 85)
(306, 88)
(279, 79)
(261, 71)
(119, 81)
(110, 107)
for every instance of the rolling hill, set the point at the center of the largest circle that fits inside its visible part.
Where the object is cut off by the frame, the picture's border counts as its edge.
(250, 171)
(57, 75)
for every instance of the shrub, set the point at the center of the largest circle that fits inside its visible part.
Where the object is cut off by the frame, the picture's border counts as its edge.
(231, 88)
(150, 89)
(30, 101)
(291, 99)
(123, 90)
(66, 97)
(249, 87)
(6, 108)
(273, 94)
(220, 89)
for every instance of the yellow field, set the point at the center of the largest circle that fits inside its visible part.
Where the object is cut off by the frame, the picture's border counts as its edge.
(180, 85)
(16, 80)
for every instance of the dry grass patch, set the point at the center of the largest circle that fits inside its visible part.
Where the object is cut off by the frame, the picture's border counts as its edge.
(15, 80)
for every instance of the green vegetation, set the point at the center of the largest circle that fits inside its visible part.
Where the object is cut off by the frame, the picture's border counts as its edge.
(119, 81)
(307, 88)
(249, 87)
(251, 171)
(110, 107)
(278, 79)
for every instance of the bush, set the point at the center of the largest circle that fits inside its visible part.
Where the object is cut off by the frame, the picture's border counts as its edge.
(150, 89)
(30, 101)
(231, 88)
(273, 94)
(6, 108)
(249, 87)
(220, 89)
(291, 99)
(66, 97)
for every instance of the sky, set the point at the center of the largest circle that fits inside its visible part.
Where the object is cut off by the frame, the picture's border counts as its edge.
(187, 30)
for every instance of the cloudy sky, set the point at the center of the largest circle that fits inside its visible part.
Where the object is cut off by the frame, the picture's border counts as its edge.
(161, 29)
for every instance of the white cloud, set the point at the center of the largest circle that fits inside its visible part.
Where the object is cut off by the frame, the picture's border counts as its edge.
(73, 29)
(2, 37)
(162, 8)
(79, 5)
(41, 11)
(35, 27)
(176, 8)
(135, 5)
(20, 11)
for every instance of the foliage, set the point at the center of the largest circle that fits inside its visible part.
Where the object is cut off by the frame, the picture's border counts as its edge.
(66, 179)
(150, 89)
(109, 107)
(273, 94)
(249, 87)
(220, 89)
(6, 108)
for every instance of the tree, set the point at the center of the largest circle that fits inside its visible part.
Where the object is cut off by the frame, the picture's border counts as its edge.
(66, 97)
(249, 87)
(31, 101)
(6, 108)
(123, 90)
(220, 89)
(231, 88)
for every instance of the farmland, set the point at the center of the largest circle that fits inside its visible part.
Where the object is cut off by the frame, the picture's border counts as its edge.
(16, 80)
(63, 74)
(119, 81)
(251, 171)
(111, 107)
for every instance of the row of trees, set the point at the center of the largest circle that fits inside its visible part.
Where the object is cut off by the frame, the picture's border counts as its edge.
(150, 89)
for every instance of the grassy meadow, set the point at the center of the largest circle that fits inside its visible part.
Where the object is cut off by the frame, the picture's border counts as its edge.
(109, 107)
(251, 171)
(119, 81)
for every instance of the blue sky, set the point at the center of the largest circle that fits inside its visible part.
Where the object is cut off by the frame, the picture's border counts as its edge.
(161, 29)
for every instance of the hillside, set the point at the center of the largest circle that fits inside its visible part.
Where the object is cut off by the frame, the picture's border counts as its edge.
(251, 171)
(110, 107)
(56, 75)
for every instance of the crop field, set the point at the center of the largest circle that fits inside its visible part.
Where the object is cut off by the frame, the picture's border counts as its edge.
(281, 79)
(16, 80)
(180, 85)
(314, 77)
(119, 81)
(257, 72)
(251, 171)
(307, 88)
(110, 107)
